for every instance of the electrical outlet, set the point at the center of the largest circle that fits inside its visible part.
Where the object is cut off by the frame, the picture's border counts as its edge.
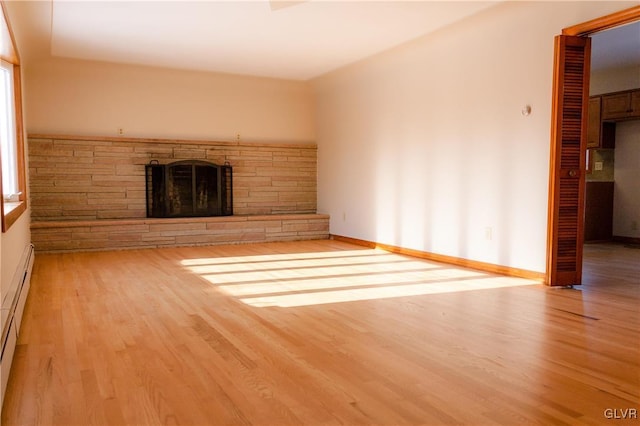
(634, 225)
(488, 233)
(597, 165)
(120, 131)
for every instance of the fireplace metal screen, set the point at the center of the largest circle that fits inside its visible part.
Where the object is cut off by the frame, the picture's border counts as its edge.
(189, 188)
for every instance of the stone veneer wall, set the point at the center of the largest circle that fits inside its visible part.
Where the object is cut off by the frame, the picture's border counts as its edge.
(88, 193)
(82, 235)
(89, 178)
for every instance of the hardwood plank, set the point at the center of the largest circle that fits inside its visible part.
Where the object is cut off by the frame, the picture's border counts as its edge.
(320, 332)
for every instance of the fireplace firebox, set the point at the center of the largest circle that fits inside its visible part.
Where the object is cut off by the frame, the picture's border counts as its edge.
(190, 188)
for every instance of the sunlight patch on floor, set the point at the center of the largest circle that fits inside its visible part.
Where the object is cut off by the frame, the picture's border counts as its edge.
(318, 282)
(302, 279)
(285, 257)
(386, 292)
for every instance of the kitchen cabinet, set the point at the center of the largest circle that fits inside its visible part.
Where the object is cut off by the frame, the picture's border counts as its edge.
(593, 122)
(621, 105)
(599, 134)
(598, 217)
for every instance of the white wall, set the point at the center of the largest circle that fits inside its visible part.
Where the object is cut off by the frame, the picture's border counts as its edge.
(74, 97)
(614, 80)
(626, 195)
(425, 146)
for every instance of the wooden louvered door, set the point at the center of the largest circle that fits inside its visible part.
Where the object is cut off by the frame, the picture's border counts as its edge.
(568, 150)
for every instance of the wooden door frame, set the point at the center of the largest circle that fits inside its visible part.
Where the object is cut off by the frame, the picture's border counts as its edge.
(584, 29)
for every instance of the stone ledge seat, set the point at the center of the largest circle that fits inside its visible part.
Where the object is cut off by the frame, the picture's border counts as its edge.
(115, 234)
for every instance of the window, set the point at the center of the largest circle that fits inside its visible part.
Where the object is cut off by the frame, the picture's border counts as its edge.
(13, 183)
(8, 134)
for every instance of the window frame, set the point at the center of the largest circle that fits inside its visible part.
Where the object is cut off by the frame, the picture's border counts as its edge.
(9, 53)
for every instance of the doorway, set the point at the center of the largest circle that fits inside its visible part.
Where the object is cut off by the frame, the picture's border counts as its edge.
(565, 232)
(612, 199)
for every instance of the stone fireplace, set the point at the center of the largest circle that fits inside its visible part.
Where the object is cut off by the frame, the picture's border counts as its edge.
(189, 188)
(90, 193)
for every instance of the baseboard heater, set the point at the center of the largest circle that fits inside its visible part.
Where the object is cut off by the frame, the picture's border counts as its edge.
(12, 307)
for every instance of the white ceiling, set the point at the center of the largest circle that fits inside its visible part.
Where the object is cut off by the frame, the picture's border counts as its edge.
(292, 40)
(283, 39)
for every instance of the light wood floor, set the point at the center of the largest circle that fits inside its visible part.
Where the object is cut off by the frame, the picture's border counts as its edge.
(320, 333)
